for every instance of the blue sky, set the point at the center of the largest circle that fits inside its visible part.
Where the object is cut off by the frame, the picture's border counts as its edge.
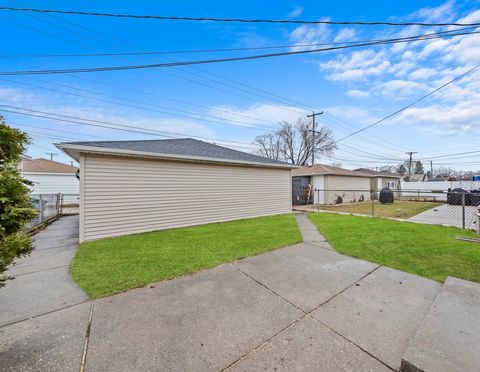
(240, 100)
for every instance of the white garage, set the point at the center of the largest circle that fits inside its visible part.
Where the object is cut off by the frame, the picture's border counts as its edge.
(51, 177)
(130, 187)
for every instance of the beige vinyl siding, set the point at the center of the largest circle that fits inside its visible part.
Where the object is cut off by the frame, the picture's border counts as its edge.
(126, 195)
(348, 187)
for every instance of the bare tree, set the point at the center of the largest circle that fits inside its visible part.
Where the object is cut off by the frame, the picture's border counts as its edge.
(268, 146)
(293, 142)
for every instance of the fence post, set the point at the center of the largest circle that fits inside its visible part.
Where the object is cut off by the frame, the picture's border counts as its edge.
(373, 204)
(40, 206)
(463, 210)
(477, 216)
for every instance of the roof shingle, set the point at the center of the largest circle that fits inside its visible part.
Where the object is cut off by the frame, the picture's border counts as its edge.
(46, 166)
(182, 147)
(327, 169)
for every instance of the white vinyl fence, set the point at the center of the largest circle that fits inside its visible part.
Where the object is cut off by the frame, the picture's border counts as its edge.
(436, 188)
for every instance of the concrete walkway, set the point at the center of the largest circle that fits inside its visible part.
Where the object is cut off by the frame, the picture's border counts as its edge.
(42, 280)
(447, 215)
(303, 307)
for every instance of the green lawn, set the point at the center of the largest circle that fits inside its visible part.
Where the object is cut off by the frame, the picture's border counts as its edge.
(426, 250)
(107, 266)
(398, 209)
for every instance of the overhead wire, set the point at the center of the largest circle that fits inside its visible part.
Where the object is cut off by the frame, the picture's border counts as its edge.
(222, 60)
(159, 70)
(237, 20)
(104, 124)
(116, 39)
(457, 78)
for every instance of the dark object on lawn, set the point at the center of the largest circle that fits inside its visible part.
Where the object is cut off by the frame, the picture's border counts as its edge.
(454, 197)
(474, 198)
(386, 196)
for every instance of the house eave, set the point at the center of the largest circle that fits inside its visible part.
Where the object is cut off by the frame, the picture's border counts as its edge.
(74, 152)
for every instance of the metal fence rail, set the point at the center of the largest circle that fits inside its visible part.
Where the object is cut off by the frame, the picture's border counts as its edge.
(47, 206)
(450, 208)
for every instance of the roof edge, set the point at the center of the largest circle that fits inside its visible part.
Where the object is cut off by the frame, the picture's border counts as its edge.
(74, 151)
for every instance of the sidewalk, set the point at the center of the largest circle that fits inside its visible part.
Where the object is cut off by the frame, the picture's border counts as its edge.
(42, 280)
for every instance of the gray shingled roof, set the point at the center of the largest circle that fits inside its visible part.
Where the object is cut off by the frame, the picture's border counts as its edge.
(188, 147)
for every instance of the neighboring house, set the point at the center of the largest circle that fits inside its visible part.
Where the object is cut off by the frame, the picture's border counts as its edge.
(381, 180)
(129, 187)
(329, 185)
(51, 177)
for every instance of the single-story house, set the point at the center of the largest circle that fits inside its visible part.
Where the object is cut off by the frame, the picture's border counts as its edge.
(381, 180)
(325, 184)
(129, 187)
(51, 177)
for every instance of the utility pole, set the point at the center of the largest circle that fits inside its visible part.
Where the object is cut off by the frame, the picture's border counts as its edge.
(431, 170)
(52, 154)
(314, 114)
(410, 153)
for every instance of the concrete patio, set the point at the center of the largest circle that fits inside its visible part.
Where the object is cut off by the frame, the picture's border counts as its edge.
(303, 307)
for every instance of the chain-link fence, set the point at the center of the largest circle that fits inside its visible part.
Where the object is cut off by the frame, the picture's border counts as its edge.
(447, 208)
(47, 206)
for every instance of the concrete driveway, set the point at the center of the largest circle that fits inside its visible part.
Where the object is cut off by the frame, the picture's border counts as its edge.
(303, 307)
(447, 215)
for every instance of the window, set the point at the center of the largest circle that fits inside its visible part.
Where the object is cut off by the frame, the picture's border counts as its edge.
(391, 184)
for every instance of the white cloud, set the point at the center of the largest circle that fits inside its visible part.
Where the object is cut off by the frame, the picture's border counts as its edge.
(258, 114)
(400, 89)
(422, 74)
(310, 34)
(444, 120)
(345, 34)
(63, 104)
(357, 66)
(360, 94)
(296, 12)
(442, 13)
(13, 95)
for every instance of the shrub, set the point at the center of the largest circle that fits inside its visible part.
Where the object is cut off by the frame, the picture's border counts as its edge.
(15, 205)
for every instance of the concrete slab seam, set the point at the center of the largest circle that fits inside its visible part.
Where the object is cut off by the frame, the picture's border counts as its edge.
(346, 288)
(46, 313)
(351, 342)
(39, 271)
(267, 288)
(305, 315)
(262, 344)
(87, 338)
(316, 246)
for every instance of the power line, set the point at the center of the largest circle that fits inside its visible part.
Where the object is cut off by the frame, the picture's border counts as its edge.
(411, 104)
(203, 84)
(222, 60)
(449, 155)
(191, 51)
(121, 127)
(370, 135)
(236, 20)
(57, 130)
(218, 120)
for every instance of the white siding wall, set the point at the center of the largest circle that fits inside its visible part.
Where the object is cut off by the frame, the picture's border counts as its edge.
(319, 185)
(125, 195)
(348, 187)
(54, 183)
(440, 185)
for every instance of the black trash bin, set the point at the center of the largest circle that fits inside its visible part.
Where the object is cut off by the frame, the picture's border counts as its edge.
(386, 196)
(474, 198)
(454, 197)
